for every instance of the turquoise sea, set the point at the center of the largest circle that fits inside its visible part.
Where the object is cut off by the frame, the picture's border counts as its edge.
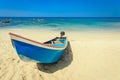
(61, 23)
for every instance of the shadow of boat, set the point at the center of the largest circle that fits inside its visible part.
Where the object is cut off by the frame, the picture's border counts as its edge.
(65, 61)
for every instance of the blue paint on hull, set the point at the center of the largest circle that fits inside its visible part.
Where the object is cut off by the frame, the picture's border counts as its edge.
(37, 54)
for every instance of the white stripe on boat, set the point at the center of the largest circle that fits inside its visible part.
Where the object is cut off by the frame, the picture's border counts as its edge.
(32, 42)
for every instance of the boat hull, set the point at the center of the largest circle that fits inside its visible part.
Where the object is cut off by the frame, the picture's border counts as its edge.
(36, 53)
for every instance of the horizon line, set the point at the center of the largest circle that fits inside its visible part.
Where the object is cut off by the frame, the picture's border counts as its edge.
(57, 17)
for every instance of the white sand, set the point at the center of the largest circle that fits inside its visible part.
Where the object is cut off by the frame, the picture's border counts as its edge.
(94, 56)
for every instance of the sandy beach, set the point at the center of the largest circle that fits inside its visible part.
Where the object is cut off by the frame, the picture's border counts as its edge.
(91, 55)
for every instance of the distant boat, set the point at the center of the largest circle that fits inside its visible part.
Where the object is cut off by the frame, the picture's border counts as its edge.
(6, 21)
(30, 50)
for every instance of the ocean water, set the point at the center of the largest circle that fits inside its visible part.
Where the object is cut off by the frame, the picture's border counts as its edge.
(61, 23)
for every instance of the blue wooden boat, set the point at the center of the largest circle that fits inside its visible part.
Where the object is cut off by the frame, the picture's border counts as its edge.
(30, 50)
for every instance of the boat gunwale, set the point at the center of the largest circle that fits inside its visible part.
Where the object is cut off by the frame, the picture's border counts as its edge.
(34, 41)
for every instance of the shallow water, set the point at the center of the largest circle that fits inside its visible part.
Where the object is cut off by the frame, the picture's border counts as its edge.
(61, 23)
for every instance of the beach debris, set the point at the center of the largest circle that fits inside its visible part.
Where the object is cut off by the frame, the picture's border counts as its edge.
(41, 76)
(13, 59)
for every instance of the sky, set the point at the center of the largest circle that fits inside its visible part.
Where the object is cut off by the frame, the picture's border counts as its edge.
(60, 8)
